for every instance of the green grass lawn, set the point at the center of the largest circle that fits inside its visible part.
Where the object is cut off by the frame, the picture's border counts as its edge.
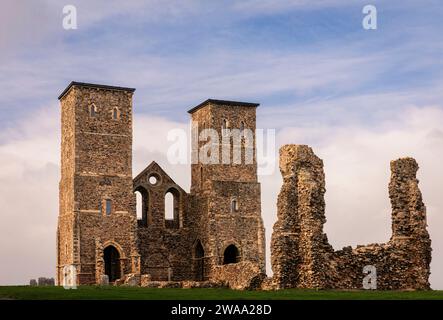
(126, 293)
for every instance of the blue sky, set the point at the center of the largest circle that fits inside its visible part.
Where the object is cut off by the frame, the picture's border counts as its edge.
(177, 55)
(360, 98)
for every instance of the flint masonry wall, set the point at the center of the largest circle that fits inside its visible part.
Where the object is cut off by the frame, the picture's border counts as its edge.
(301, 256)
(214, 186)
(98, 231)
(96, 168)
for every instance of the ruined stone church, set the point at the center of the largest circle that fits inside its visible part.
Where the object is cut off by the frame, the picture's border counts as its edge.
(215, 236)
(219, 222)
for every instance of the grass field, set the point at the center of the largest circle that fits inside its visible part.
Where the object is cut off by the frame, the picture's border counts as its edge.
(132, 293)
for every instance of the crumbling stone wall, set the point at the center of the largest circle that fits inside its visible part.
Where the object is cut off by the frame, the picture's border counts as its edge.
(245, 275)
(301, 254)
(164, 244)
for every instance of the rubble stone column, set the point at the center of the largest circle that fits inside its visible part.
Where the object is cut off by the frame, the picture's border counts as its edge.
(409, 234)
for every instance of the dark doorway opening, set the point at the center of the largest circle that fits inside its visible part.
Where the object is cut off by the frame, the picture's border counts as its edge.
(112, 263)
(231, 255)
(199, 262)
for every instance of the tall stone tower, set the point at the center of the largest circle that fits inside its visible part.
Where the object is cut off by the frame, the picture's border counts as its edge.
(97, 219)
(226, 193)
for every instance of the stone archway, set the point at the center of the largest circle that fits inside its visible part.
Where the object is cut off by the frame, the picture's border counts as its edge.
(231, 255)
(199, 262)
(111, 256)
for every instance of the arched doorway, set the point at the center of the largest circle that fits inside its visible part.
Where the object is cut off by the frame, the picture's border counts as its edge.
(199, 262)
(231, 255)
(112, 263)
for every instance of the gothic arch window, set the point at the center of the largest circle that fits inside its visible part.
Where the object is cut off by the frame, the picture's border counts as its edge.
(93, 110)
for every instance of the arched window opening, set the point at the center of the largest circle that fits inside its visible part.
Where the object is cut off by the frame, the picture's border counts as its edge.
(242, 127)
(225, 127)
(111, 257)
(139, 205)
(234, 205)
(142, 206)
(231, 255)
(199, 262)
(169, 206)
(93, 110)
(172, 208)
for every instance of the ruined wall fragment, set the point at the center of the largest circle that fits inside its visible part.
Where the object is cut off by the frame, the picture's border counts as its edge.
(301, 254)
(244, 275)
(299, 246)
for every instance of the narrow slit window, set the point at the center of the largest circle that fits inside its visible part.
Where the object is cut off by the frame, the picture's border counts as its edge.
(115, 114)
(92, 110)
(201, 177)
(224, 124)
(234, 205)
(108, 207)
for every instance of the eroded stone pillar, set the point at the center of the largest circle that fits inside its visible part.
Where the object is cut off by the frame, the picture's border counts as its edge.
(410, 238)
(298, 244)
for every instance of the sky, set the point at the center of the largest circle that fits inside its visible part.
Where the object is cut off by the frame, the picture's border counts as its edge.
(360, 98)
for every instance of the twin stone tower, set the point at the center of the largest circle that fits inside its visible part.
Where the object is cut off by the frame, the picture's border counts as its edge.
(215, 234)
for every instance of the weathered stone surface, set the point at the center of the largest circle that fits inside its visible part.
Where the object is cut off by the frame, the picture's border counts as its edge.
(301, 254)
(202, 284)
(269, 284)
(244, 275)
(145, 279)
(132, 280)
(104, 280)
